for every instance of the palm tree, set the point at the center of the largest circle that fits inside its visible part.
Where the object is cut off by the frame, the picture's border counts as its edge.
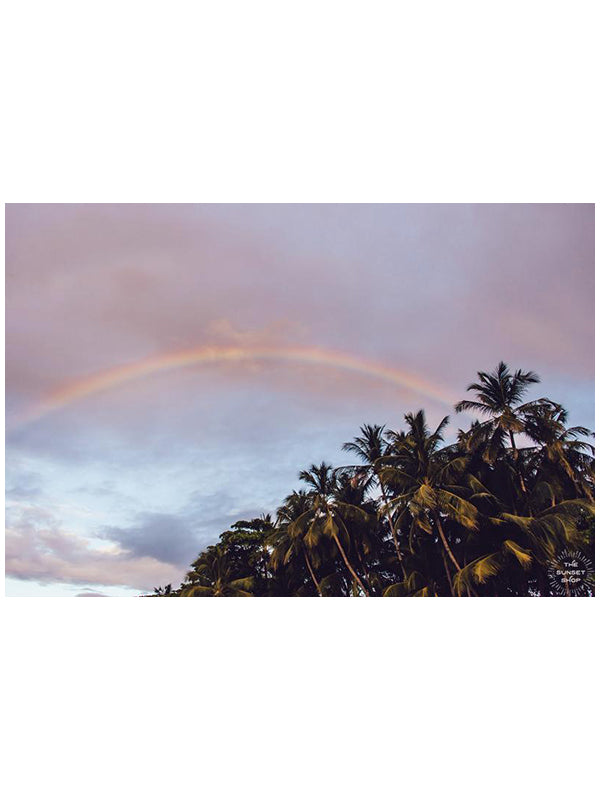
(562, 461)
(328, 517)
(523, 531)
(287, 544)
(499, 394)
(525, 546)
(212, 576)
(167, 591)
(368, 546)
(371, 447)
(423, 479)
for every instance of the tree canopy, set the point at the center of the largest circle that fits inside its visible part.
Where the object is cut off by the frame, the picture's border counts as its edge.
(486, 515)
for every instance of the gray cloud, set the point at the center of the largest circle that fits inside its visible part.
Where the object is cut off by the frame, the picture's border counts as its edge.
(178, 538)
(166, 537)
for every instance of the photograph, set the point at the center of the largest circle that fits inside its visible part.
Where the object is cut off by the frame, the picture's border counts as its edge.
(300, 400)
(299, 314)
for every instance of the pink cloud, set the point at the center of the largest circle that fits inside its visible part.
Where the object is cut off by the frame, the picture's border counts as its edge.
(35, 550)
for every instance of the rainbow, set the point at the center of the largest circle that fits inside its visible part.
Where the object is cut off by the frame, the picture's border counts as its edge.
(111, 378)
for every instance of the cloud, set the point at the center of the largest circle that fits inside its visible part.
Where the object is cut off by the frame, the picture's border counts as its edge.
(157, 549)
(91, 593)
(165, 537)
(177, 538)
(90, 287)
(37, 549)
(143, 556)
(24, 485)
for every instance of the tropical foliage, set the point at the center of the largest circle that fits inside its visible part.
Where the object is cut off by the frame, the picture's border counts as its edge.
(486, 515)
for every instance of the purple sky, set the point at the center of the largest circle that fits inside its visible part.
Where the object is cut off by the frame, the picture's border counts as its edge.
(117, 492)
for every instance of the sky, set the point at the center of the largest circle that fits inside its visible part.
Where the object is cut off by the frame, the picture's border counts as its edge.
(171, 368)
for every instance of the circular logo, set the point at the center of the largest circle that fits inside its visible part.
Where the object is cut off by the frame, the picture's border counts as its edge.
(571, 574)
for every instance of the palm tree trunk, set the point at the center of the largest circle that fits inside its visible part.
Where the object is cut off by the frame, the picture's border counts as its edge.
(445, 543)
(348, 564)
(361, 560)
(392, 528)
(448, 576)
(310, 569)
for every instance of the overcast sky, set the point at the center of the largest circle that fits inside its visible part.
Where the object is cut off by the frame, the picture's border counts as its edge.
(117, 490)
